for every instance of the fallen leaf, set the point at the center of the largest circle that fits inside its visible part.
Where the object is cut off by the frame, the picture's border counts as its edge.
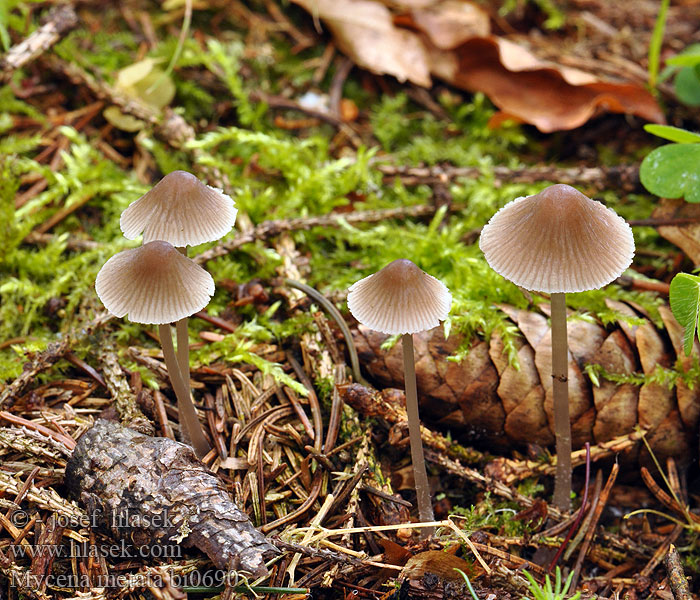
(686, 237)
(550, 97)
(438, 563)
(451, 22)
(454, 43)
(365, 31)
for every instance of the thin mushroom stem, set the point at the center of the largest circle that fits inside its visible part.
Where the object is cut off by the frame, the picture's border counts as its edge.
(183, 349)
(183, 339)
(560, 390)
(188, 414)
(425, 507)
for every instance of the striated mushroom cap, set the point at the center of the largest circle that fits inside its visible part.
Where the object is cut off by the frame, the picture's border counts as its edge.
(153, 284)
(557, 241)
(181, 210)
(399, 299)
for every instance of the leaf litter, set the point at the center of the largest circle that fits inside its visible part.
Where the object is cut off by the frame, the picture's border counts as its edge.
(329, 488)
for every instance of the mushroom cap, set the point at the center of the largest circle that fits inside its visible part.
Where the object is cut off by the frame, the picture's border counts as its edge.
(400, 298)
(153, 284)
(557, 241)
(181, 210)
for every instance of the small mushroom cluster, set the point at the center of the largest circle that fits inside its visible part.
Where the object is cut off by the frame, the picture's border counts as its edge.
(157, 284)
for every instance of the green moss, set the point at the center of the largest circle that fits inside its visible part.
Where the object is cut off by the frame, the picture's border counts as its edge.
(273, 174)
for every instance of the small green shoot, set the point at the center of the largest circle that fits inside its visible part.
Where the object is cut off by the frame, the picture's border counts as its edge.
(684, 298)
(469, 584)
(546, 592)
(657, 38)
(673, 170)
(673, 134)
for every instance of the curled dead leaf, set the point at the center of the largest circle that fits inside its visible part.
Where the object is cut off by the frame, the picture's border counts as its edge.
(451, 39)
(364, 31)
(451, 22)
(548, 96)
(686, 237)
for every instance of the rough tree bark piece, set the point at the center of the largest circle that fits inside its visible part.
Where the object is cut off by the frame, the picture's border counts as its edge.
(153, 491)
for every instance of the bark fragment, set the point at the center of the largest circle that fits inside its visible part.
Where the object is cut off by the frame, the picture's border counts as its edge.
(153, 491)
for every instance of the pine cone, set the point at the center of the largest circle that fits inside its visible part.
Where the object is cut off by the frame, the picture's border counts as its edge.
(487, 399)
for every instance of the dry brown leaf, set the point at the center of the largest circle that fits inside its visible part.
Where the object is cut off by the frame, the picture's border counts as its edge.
(365, 31)
(455, 44)
(686, 237)
(451, 22)
(550, 97)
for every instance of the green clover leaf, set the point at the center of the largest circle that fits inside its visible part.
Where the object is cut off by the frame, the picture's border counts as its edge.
(684, 297)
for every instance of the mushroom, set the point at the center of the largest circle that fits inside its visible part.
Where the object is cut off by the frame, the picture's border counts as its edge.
(403, 299)
(156, 284)
(180, 209)
(558, 241)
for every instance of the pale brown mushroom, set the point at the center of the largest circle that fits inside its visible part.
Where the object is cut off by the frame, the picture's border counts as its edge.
(400, 298)
(153, 284)
(558, 241)
(156, 284)
(181, 210)
(403, 299)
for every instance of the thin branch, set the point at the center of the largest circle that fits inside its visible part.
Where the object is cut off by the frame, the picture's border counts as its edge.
(61, 19)
(269, 229)
(621, 177)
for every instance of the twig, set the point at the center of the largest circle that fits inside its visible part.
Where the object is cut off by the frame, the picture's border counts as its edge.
(35, 237)
(602, 501)
(60, 20)
(50, 356)
(646, 285)
(581, 511)
(661, 551)
(124, 398)
(269, 229)
(302, 40)
(317, 552)
(335, 92)
(68, 442)
(488, 483)
(622, 177)
(170, 126)
(511, 471)
(676, 576)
